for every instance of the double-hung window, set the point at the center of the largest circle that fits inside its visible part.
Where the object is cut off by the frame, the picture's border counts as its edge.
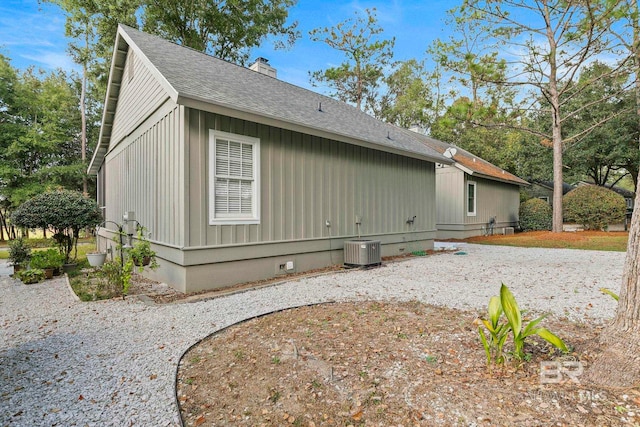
(234, 172)
(471, 198)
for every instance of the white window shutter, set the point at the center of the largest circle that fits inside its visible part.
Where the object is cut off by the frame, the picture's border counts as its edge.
(234, 181)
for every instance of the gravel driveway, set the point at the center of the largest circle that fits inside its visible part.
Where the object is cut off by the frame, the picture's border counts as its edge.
(63, 362)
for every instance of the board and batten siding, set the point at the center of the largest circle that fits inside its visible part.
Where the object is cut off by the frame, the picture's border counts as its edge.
(494, 199)
(146, 175)
(304, 182)
(450, 195)
(140, 94)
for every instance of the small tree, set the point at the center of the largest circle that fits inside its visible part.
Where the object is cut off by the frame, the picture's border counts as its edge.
(594, 207)
(366, 55)
(65, 212)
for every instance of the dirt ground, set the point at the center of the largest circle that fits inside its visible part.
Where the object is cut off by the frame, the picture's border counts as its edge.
(389, 364)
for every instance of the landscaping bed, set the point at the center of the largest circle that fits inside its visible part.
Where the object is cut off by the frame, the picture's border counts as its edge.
(589, 240)
(384, 364)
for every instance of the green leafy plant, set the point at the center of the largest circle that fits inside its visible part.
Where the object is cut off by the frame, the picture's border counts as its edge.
(125, 275)
(28, 277)
(120, 270)
(19, 252)
(594, 207)
(118, 274)
(499, 329)
(141, 252)
(521, 332)
(111, 280)
(51, 258)
(535, 215)
(65, 212)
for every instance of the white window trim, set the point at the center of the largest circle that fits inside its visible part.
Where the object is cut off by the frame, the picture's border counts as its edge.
(255, 216)
(475, 198)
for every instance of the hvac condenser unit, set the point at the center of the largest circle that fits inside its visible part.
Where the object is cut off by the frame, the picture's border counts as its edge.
(362, 252)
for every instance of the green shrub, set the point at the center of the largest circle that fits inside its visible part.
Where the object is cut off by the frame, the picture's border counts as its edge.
(99, 284)
(535, 215)
(51, 258)
(64, 211)
(19, 251)
(594, 207)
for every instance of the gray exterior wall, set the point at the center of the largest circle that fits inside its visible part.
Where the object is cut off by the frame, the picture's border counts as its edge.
(450, 183)
(160, 171)
(144, 169)
(140, 94)
(307, 180)
(493, 198)
(304, 182)
(146, 175)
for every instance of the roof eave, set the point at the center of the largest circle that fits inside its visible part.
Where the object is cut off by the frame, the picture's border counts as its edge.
(505, 180)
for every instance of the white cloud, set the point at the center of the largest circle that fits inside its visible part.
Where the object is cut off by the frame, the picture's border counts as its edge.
(33, 34)
(52, 60)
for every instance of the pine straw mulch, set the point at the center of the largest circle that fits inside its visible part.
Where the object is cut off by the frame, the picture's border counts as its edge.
(574, 239)
(386, 364)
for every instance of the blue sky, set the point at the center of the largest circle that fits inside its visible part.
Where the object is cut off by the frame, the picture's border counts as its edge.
(32, 34)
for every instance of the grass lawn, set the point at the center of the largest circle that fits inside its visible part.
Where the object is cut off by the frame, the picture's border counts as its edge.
(84, 246)
(590, 240)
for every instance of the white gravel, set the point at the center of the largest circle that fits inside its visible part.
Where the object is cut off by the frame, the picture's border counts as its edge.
(67, 363)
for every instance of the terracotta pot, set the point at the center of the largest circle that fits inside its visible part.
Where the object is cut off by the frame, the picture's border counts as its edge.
(48, 273)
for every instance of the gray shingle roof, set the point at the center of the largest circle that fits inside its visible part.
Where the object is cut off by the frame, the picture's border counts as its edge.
(549, 184)
(195, 76)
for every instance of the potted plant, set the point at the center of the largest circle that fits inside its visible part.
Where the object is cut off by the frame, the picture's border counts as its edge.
(33, 275)
(49, 261)
(19, 254)
(97, 258)
(141, 252)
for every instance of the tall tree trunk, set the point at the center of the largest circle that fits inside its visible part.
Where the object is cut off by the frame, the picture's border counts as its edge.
(619, 363)
(83, 115)
(557, 174)
(2, 239)
(556, 123)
